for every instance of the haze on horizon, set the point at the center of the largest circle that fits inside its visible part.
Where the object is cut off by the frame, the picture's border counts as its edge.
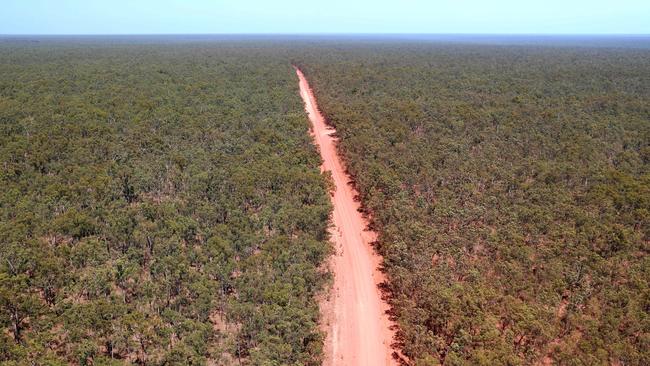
(334, 16)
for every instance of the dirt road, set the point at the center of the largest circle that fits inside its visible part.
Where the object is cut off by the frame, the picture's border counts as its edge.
(358, 330)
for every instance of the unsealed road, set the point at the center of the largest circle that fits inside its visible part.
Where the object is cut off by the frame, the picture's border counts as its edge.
(354, 317)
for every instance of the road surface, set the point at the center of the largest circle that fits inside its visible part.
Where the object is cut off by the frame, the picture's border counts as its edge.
(354, 316)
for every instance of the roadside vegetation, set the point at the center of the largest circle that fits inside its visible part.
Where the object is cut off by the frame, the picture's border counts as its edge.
(510, 187)
(160, 204)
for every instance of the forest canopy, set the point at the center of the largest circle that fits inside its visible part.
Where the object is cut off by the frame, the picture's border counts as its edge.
(160, 204)
(510, 187)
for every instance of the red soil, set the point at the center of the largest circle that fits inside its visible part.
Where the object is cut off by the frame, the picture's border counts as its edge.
(355, 319)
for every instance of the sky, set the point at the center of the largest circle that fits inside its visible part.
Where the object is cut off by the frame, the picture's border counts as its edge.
(328, 16)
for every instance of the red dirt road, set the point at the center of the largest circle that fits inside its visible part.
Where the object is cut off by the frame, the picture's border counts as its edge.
(354, 317)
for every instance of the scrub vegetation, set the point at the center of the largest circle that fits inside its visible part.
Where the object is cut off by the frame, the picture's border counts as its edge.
(160, 204)
(510, 187)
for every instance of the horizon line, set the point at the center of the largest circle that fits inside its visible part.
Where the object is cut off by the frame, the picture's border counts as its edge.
(325, 34)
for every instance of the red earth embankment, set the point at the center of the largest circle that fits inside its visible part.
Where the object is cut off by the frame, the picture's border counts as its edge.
(354, 317)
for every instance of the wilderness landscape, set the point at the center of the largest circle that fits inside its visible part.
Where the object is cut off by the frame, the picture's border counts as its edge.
(167, 202)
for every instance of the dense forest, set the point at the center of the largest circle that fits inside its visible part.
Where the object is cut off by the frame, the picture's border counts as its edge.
(160, 205)
(511, 190)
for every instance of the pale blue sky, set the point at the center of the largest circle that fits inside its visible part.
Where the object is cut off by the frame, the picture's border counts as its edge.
(327, 16)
